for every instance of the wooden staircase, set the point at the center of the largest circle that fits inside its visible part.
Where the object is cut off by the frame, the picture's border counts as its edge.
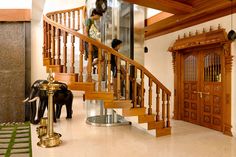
(63, 52)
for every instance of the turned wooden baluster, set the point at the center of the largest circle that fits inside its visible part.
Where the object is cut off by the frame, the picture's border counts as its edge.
(49, 42)
(109, 71)
(65, 52)
(150, 97)
(53, 46)
(157, 102)
(64, 17)
(60, 17)
(72, 58)
(118, 62)
(73, 19)
(127, 81)
(168, 111)
(99, 69)
(163, 107)
(89, 65)
(81, 60)
(142, 89)
(56, 18)
(69, 21)
(58, 37)
(134, 90)
(78, 20)
(45, 42)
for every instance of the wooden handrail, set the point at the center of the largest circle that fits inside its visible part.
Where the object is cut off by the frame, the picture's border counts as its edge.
(60, 43)
(108, 49)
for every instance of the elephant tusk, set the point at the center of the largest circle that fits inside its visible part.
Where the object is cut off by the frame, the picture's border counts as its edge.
(25, 100)
(34, 99)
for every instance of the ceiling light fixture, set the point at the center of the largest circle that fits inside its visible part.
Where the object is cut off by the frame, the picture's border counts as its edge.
(231, 34)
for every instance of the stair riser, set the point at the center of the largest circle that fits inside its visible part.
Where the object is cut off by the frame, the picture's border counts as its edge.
(155, 125)
(163, 132)
(133, 112)
(146, 118)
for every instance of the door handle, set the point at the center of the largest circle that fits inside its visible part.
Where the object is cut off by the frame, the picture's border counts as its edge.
(206, 93)
(200, 93)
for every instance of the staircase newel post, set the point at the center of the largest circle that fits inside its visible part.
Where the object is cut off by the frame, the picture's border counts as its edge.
(65, 52)
(99, 69)
(163, 107)
(81, 47)
(157, 103)
(89, 66)
(150, 97)
(109, 71)
(168, 110)
(127, 81)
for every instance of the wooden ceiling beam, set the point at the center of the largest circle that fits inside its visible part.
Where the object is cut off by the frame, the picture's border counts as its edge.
(156, 18)
(169, 6)
(177, 22)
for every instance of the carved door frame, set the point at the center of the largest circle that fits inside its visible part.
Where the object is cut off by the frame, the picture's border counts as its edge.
(206, 40)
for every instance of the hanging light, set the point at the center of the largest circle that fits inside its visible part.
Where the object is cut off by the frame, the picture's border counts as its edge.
(231, 34)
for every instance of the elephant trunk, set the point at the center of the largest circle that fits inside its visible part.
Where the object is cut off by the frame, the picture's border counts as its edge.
(34, 99)
(26, 100)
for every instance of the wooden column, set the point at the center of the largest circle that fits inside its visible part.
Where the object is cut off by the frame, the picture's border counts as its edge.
(150, 97)
(65, 51)
(81, 42)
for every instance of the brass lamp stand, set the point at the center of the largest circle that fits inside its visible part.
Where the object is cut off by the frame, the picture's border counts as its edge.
(50, 139)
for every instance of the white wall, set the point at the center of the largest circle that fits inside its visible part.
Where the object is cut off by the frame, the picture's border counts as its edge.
(40, 7)
(15, 4)
(159, 61)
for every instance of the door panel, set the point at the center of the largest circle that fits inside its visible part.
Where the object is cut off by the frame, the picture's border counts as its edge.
(190, 107)
(202, 88)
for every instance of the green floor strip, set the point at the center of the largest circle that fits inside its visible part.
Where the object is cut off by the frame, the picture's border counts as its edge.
(15, 138)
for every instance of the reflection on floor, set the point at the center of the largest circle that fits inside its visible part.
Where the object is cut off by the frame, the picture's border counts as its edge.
(82, 140)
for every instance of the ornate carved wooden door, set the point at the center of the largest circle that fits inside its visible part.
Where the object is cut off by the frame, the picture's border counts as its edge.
(202, 88)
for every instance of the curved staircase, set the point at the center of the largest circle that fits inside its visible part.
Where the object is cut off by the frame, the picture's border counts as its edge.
(63, 52)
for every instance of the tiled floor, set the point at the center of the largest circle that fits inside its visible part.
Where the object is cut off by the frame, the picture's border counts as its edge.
(82, 140)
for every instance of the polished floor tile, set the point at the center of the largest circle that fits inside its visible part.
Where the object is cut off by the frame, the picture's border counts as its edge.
(83, 140)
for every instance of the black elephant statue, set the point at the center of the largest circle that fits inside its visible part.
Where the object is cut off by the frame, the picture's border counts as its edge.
(61, 97)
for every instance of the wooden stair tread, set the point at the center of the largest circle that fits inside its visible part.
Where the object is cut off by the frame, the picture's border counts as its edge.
(106, 96)
(146, 118)
(133, 111)
(118, 104)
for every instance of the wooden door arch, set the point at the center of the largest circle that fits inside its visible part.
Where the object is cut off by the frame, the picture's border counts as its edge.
(212, 84)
